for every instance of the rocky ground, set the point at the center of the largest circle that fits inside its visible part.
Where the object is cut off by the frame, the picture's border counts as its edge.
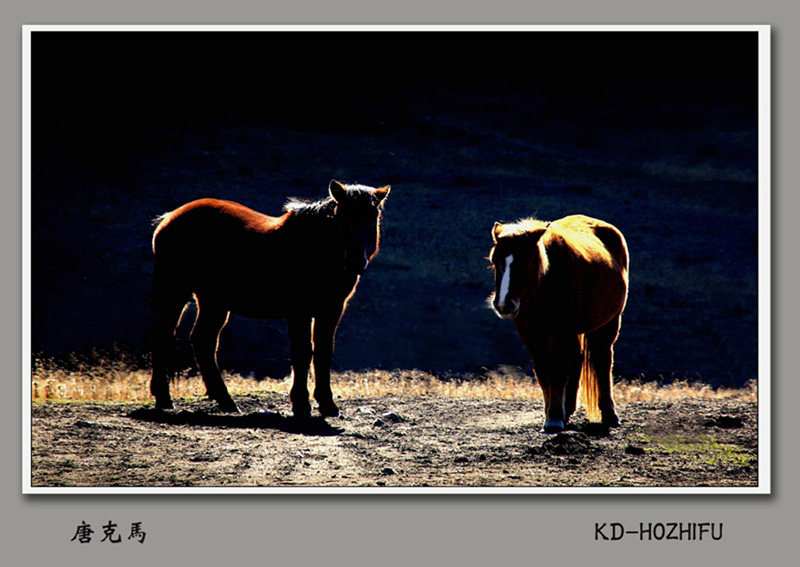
(392, 441)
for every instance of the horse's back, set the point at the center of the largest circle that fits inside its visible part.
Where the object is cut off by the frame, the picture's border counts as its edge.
(595, 239)
(206, 219)
(224, 251)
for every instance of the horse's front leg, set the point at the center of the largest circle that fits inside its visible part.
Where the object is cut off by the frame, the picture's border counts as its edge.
(324, 333)
(545, 353)
(301, 353)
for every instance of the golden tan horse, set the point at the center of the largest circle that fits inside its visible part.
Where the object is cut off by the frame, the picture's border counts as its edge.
(302, 266)
(564, 284)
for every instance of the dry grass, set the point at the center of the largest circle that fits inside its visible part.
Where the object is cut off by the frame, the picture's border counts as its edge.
(117, 381)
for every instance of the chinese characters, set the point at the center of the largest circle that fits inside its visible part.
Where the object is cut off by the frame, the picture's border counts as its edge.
(84, 533)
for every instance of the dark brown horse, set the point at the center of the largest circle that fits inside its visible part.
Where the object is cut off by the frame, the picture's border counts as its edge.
(302, 266)
(564, 284)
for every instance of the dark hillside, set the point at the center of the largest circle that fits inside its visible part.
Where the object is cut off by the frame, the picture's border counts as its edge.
(653, 132)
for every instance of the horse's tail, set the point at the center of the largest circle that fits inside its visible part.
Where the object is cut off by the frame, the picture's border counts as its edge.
(590, 388)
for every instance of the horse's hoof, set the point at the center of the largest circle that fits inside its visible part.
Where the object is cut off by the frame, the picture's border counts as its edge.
(228, 406)
(328, 410)
(611, 420)
(302, 410)
(553, 426)
(164, 405)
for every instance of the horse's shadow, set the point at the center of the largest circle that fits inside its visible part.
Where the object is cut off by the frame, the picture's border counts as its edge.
(258, 420)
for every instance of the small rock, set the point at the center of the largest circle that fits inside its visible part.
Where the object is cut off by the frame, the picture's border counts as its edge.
(391, 416)
(379, 423)
(567, 443)
(461, 459)
(365, 409)
(204, 458)
(729, 422)
(723, 421)
(388, 471)
(631, 450)
(597, 429)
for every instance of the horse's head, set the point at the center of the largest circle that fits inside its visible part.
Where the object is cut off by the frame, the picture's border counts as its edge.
(519, 261)
(358, 213)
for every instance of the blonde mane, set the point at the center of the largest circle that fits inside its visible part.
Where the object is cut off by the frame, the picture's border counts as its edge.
(526, 226)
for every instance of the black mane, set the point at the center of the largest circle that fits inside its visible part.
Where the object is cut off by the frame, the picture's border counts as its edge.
(306, 207)
(327, 206)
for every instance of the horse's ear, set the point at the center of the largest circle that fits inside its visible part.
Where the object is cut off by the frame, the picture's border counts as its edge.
(537, 233)
(380, 194)
(337, 191)
(496, 230)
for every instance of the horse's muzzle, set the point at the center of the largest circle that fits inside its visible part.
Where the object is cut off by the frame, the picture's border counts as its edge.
(507, 310)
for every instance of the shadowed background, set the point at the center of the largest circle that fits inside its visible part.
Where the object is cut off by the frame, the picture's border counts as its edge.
(654, 132)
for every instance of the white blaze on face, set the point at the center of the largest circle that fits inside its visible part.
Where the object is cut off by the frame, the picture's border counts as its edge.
(505, 282)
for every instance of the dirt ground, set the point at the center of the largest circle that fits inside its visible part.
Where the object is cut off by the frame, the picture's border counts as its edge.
(392, 441)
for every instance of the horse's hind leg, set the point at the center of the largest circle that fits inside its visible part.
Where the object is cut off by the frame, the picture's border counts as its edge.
(205, 339)
(574, 361)
(168, 305)
(301, 353)
(601, 351)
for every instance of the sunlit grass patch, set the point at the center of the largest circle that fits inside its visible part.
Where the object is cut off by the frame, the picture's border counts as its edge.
(119, 380)
(504, 383)
(703, 449)
(642, 391)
